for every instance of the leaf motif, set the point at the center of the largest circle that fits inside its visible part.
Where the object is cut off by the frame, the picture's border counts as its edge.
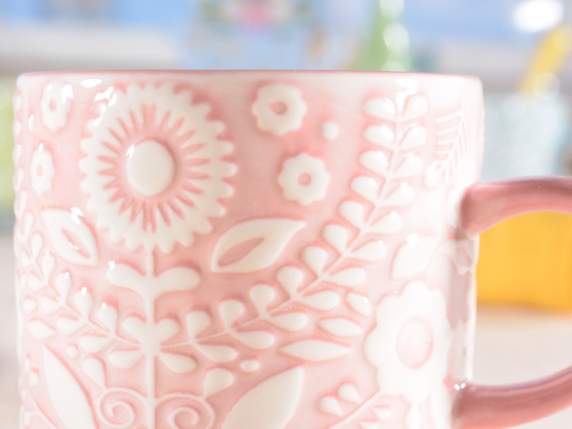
(315, 350)
(278, 395)
(290, 278)
(353, 212)
(68, 398)
(216, 380)
(230, 311)
(63, 284)
(414, 256)
(124, 358)
(359, 303)
(315, 257)
(349, 393)
(48, 263)
(107, 316)
(341, 327)
(367, 187)
(391, 223)
(373, 251)
(349, 277)
(92, 343)
(178, 363)
(375, 161)
(218, 354)
(71, 238)
(331, 405)
(94, 369)
(253, 245)
(197, 322)
(258, 340)
(324, 301)
(39, 329)
(262, 296)
(435, 174)
(291, 322)
(67, 325)
(337, 236)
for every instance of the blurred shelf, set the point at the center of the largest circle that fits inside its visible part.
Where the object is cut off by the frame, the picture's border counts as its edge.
(500, 66)
(38, 46)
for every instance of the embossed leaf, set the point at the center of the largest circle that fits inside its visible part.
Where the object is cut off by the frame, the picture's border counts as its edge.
(349, 393)
(315, 257)
(331, 405)
(359, 303)
(39, 329)
(372, 251)
(337, 236)
(219, 354)
(48, 305)
(383, 108)
(107, 316)
(253, 245)
(262, 296)
(48, 263)
(230, 311)
(353, 212)
(66, 395)
(290, 321)
(63, 284)
(349, 277)
(216, 380)
(414, 256)
(411, 166)
(178, 363)
(197, 322)
(71, 238)
(94, 369)
(375, 161)
(390, 223)
(324, 301)
(414, 138)
(93, 343)
(402, 196)
(290, 278)
(256, 339)
(434, 174)
(341, 327)
(124, 358)
(315, 350)
(367, 187)
(67, 325)
(270, 404)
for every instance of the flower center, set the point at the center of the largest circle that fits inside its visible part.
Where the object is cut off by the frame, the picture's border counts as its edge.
(414, 343)
(304, 179)
(279, 107)
(150, 168)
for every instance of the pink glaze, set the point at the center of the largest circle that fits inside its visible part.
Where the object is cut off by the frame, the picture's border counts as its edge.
(484, 205)
(247, 250)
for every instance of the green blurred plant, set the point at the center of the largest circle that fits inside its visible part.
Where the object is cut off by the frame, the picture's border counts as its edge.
(387, 46)
(6, 116)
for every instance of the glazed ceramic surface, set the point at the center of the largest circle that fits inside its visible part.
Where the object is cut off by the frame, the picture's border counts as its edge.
(244, 250)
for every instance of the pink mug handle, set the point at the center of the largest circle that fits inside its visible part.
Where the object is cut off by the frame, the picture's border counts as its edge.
(487, 407)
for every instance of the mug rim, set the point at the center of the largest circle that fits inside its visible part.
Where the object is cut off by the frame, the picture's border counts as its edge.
(340, 72)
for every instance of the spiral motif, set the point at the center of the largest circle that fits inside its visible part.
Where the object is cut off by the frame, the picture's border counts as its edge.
(186, 411)
(119, 408)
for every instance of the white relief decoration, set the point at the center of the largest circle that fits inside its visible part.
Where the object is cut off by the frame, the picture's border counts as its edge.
(55, 105)
(315, 350)
(279, 109)
(180, 144)
(414, 256)
(70, 237)
(270, 404)
(330, 130)
(42, 170)
(304, 179)
(67, 397)
(253, 245)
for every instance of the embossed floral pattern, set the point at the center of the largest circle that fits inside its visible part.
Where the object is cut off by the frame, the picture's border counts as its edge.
(279, 109)
(56, 104)
(179, 267)
(304, 179)
(409, 346)
(158, 129)
(42, 170)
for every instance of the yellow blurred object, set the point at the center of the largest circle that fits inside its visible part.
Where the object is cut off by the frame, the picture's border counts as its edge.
(526, 261)
(548, 60)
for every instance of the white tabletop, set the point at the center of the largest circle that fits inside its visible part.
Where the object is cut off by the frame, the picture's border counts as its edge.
(512, 346)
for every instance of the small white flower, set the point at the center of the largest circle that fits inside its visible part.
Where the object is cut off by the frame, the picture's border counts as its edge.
(304, 179)
(56, 104)
(279, 109)
(409, 347)
(42, 170)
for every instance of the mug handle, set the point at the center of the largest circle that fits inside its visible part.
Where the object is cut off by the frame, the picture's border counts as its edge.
(487, 407)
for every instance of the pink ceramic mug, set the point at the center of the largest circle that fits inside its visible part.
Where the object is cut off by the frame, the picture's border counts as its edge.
(257, 250)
